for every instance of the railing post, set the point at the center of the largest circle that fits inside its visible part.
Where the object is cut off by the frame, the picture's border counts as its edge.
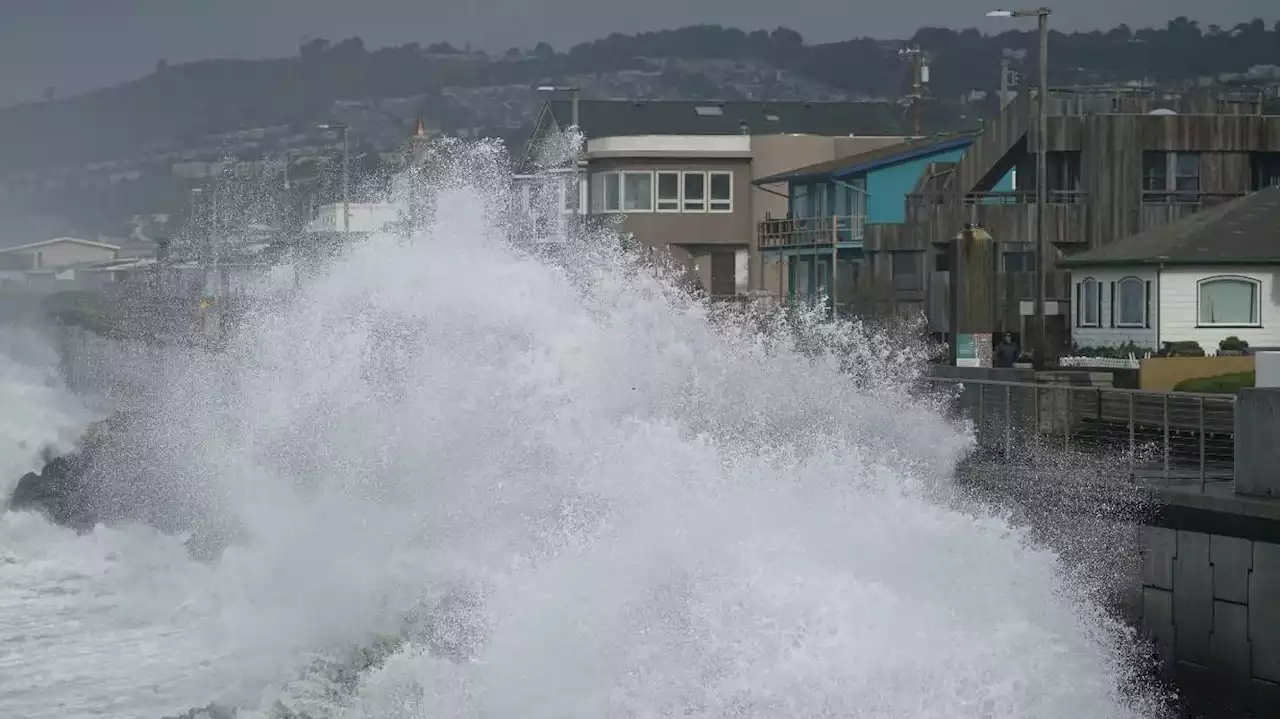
(1008, 418)
(982, 412)
(1133, 447)
(1165, 424)
(1066, 418)
(1202, 457)
(1035, 409)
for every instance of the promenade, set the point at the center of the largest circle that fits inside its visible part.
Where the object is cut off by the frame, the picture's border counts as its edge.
(1196, 475)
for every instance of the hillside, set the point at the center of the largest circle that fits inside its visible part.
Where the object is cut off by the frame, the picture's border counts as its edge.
(119, 150)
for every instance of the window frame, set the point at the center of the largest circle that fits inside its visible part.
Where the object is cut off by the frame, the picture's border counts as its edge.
(613, 179)
(1120, 320)
(678, 200)
(1082, 316)
(1255, 286)
(721, 206)
(622, 190)
(685, 202)
(1170, 172)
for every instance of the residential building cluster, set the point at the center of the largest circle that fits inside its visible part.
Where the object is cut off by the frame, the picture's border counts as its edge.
(1161, 216)
(1162, 212)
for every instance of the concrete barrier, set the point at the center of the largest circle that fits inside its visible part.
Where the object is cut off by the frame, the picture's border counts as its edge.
(1257, 464)
(1267, 365)
(1164, 373)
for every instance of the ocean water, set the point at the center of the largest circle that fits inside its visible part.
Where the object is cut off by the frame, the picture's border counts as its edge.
(531, 489)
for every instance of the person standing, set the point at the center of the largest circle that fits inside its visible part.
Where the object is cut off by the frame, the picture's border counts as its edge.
(1006, 353)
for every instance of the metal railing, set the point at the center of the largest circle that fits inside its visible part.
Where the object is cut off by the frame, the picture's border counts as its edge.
(1175, 438)
(997, 197)
(809, 231)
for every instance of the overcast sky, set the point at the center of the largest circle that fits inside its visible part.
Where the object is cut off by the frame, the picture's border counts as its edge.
(74, 45)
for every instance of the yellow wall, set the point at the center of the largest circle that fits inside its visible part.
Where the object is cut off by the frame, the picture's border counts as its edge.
(1162, 373)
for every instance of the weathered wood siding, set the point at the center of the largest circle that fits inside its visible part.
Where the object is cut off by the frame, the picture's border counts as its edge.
(1111, 134)
(995, 142)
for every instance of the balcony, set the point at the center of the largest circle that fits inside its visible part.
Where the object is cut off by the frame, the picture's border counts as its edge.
(1161, 208)
(792, 233)
(1010, 197)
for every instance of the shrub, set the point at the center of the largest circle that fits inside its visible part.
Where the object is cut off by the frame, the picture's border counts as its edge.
(1233, 344)
(1118, 351)
(1189, 348)
(1229, 383)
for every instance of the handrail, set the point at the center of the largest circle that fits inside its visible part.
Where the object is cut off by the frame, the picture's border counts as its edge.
(1184, 439)
(1010, 197)
(1082, 387)
(809, 231)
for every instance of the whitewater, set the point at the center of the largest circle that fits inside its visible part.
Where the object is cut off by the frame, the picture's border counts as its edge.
(531, 489)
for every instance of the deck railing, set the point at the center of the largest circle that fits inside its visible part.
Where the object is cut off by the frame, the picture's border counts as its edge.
(809, 231)
(1178, 439)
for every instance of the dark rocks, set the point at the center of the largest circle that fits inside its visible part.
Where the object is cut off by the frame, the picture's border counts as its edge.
(58, 491)
(103, 483)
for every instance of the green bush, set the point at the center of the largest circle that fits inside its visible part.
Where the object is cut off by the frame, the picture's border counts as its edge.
(1189, 348)
(1229, 383)
(1121, 351)
(1233, 344)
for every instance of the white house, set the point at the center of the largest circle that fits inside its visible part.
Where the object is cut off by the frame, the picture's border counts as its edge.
(63, 252)
(1206, 277)
(53, 264)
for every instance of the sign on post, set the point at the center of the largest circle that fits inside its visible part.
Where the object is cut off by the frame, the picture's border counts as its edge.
(973, 349)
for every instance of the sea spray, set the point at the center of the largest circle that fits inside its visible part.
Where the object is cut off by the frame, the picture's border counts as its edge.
(652, 511)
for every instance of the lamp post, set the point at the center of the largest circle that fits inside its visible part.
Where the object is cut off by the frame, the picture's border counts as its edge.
(346, 175)
(1042, 16)
(574, 92)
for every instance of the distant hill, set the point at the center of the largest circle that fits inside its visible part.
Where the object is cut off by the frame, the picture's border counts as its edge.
(190, 112)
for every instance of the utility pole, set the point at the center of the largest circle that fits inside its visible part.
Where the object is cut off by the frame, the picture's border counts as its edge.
(919, 76)
(1040, 349)
(1004, 82)
(346, 176)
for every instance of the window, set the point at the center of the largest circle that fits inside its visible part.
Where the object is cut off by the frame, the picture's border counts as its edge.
(612, 192)
(1131, 302)
(905, 267)
(1186, 175)
(1155, 172)
(1019, 261)
(695, 192)
(1171, 176)
(637, 192)
(1089, 299)
(668, 191)
(721, 199)
(1228, 301)
(1265, 168)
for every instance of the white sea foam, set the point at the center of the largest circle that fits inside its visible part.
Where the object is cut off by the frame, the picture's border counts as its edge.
(645, 513)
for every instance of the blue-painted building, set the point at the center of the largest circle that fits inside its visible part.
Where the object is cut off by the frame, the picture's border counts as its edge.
(834, 206)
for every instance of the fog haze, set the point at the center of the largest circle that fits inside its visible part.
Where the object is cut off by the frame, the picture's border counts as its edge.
(76, 45)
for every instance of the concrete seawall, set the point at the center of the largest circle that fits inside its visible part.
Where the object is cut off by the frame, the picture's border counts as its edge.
(1212, 604)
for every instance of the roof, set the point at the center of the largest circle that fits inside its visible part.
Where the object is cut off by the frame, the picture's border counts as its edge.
(864, 162)
(620, 118)
(59, 240)
(1243, 231)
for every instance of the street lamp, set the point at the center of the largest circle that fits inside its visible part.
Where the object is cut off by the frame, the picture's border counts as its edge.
(346, 174)
(1042, 15)
(574, 91)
